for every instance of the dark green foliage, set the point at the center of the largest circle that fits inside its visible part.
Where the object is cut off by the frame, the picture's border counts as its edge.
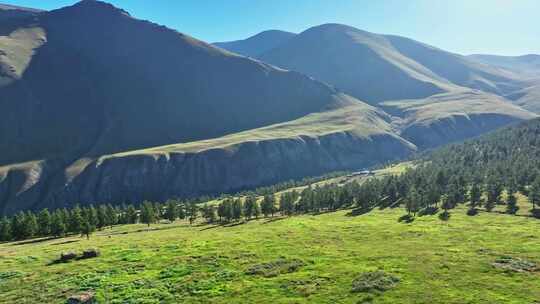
(237, 209)
(250, 205)
(268, 205)
(58, 224)
(148, 213)
(209, 213)
(171, 212)
(44, 222)
(5, 230)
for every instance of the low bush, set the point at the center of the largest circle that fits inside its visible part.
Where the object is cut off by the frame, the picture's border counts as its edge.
(374, 281)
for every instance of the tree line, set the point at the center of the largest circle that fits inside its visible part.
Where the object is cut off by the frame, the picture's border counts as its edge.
(476, 173)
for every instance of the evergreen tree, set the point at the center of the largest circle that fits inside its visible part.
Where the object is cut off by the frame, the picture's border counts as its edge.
(112, 217)
(268, 205)
(44, 222)
(192, 212)
(87, 228)
(249, 207)
(493, 192)
(102, 218)
(534, 193)
(171, 213)
(209, 213)
(148, 213)
(475, 195)
(58, 225)
(237, 209)
(131, 215)
(412, 202)
(181, 209)
(75, 220)
(5, 230)
(511, 202)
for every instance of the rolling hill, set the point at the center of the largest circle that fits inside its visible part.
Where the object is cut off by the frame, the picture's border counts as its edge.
(87, 81)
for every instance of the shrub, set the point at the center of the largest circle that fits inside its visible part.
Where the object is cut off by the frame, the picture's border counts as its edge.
(374, 281)
(275, 268)
(90, 253)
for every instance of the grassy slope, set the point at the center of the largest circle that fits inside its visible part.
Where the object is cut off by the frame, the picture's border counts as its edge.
(445, 105)
(437, 262)
(357, 118)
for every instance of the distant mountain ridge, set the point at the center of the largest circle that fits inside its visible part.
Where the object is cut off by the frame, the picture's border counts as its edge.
(257, 45)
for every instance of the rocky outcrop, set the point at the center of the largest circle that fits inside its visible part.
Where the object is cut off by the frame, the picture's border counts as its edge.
(250, 164)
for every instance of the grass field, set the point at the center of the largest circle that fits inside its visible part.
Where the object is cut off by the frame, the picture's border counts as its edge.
(435, 261)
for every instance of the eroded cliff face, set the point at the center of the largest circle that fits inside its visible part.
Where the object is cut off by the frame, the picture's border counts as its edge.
(454, 128)
(159, 177)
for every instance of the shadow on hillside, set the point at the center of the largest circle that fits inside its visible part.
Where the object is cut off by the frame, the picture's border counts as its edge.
(274, 219)
(33, 241)
(358, 211)
(65, 242)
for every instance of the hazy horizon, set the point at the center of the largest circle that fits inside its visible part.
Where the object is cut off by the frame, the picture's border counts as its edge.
(467, 27)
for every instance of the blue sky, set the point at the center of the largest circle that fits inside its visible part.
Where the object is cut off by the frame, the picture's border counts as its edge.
(506, 27)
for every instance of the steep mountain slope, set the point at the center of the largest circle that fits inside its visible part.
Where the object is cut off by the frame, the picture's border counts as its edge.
(91, 78)
(11, 11)
(87, 81)
(528, 64)
(377, 68)
(258, 44)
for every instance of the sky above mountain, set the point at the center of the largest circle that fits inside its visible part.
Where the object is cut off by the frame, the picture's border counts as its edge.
(463, 26)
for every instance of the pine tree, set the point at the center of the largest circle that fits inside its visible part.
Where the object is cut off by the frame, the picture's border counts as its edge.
(102, 218)
(475, 195)
(534, 193)
(493, 192)
(511, 202)
(44, 223)
(237, 209)
(87, 228)
(131, 215)
(192, 212)
(148, 213)
(412, 202)
(209, 213)
(5, 230)
(249, 207)
(75, 220)
(534, 197)
(58, 226)
(268, 205)
(171, 213)
(112, 217)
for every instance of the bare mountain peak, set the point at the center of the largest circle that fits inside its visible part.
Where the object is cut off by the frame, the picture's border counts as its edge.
(95, 8)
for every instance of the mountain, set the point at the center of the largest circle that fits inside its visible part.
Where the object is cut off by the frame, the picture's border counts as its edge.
(378, 68)
(529, 64)
(104, 107)
(12, 11)
(258, 44)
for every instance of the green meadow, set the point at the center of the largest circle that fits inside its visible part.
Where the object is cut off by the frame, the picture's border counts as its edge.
(300, 259)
